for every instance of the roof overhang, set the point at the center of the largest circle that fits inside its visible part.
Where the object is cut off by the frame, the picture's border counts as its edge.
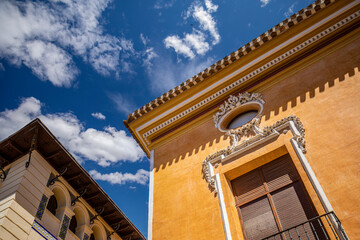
(286, 44)
(47, 145)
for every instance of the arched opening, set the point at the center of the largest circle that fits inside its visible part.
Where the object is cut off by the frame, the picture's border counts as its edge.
(62, 198)
(81, 217)
(92, 237)
(52, 205)
(98, 232)
(73, 224)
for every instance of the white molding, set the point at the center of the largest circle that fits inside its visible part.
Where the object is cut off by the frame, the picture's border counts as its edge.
(151, 195)
(291, 123)
(234, 104)
(256, 72)
(237, 147)
(311, 175)
(224, 215)
(216, 185)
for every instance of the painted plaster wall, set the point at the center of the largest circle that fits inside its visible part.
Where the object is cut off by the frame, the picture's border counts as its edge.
(20, 196)
(184, 207)
(325, 95)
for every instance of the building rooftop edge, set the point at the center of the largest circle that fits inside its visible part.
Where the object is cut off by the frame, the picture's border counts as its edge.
(231, 58)
(39, 125)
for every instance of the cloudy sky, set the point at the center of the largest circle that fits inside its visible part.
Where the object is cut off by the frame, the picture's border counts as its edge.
(82, 65)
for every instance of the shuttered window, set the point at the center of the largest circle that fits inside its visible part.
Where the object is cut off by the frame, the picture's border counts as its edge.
(271, 199)
(259, 220)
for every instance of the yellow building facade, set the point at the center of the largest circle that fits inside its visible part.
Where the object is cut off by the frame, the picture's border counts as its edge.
(265, 142)
(46, 194)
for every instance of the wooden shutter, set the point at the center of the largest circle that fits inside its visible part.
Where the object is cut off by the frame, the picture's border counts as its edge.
(292, 205)
(293, 208)
(258, 219)
(279, 173)
(248, 187)
(277, 183)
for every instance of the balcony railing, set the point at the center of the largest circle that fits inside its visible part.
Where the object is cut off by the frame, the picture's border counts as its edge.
(324, 227)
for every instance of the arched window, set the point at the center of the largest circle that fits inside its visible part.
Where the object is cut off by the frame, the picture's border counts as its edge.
(92, 237)
(73, 224)
(52, 205)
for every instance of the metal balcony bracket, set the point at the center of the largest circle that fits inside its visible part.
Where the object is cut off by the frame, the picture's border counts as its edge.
(73, 202)
(32, 147)
(3, 174)
(98, 212)
(115, 230)
(62, 172)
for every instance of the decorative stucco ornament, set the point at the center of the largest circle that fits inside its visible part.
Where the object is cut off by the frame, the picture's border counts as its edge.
(235, 101)
(291, 123)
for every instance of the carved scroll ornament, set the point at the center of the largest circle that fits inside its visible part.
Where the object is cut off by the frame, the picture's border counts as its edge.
(235, 101)
(292, 123)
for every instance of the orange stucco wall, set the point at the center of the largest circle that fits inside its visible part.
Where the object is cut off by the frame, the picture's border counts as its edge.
(325, 96)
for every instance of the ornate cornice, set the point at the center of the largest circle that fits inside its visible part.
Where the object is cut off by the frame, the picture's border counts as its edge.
(291, 123)
(267, 36)
(270, 64)
(235, 101)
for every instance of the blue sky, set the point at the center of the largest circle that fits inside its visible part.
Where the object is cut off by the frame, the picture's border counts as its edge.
(83, 65)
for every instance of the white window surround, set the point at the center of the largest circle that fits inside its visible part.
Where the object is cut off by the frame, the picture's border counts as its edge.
(292, 124)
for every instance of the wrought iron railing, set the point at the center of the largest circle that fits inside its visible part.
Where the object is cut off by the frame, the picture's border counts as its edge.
(324, 227)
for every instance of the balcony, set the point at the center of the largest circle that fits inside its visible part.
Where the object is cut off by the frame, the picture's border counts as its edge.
(324, 227)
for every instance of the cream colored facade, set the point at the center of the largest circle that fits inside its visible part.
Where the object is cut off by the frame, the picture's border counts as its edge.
(21, 194)
(302, 77)
(30, 182)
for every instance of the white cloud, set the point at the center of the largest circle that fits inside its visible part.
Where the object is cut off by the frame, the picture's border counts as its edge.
(149, 55)
(98, 115)
(290, 11)
(104, 147)
(165, 74)
(122, 104)
(48, 61)
(179, 45)
(141, 177)
(210, 6)
(44, 36)
(264, 2)
(145, 40)
(207, 23)
(196, 42)
(160, 4)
